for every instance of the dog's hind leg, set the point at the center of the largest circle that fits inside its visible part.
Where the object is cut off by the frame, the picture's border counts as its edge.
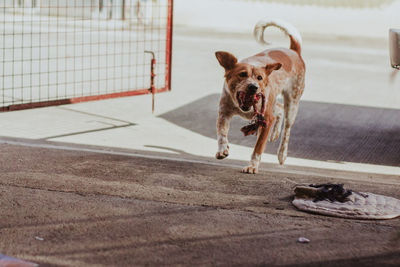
(291, 106)
(277, 128)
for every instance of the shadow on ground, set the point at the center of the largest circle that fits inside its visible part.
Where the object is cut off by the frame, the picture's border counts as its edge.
(323, 131)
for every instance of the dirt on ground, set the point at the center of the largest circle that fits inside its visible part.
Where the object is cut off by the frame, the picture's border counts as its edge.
(77, 208)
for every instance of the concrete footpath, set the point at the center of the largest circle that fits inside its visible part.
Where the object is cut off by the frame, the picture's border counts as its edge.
(86, 206)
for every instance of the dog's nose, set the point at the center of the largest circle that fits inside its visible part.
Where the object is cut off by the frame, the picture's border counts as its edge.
(252, 88)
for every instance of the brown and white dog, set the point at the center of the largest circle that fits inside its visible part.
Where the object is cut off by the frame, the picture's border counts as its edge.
(271, 72)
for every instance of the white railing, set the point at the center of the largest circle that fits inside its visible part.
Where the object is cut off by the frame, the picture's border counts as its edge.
(104, 9)
(331, 3)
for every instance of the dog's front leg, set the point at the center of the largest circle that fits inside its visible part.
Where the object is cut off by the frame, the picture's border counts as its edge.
(262, 138)
(223, 122)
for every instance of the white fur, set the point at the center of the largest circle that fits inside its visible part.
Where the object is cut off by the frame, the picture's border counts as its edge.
(254, 163)
(286, 27)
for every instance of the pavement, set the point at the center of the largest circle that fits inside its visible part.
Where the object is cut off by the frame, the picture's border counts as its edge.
(109, 183)
(92, 207)
(348, 121)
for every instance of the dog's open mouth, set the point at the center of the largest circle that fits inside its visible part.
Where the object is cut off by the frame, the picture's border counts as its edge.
(246, 100)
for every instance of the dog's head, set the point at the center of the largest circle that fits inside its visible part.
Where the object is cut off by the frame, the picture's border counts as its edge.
(244, 80)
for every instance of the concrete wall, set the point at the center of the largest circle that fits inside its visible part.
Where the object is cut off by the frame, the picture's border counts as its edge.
(330, 3)
(241, 16)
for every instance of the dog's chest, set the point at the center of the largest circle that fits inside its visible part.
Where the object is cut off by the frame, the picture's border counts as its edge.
(249, 114)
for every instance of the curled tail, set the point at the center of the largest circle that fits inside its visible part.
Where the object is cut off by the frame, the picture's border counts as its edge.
(287, 28)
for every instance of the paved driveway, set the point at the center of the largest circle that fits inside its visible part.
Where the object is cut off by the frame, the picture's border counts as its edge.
(79, 208)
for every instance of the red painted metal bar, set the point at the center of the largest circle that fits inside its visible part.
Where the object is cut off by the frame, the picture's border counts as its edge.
(170, 22)
(79, 99)
(152, 77)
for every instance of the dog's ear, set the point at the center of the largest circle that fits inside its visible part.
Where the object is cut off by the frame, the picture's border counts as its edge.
(226, 60)
(271, 67)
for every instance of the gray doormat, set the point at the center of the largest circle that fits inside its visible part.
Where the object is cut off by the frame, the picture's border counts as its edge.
(328, 132)
(334, 200)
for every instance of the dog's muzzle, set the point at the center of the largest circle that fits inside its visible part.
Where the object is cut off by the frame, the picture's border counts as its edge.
(246, 98)
(258, 119)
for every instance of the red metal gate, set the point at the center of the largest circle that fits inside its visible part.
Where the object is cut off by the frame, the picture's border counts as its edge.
(56, 52)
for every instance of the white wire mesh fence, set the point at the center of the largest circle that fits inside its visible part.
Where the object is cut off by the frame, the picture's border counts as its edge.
(52, 50)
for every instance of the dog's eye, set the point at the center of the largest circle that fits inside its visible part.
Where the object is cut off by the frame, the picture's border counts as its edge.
(259, 77)
(243, 74)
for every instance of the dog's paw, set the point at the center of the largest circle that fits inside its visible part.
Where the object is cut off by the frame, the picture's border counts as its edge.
(250, 169)
(282, 154)
(222, 154)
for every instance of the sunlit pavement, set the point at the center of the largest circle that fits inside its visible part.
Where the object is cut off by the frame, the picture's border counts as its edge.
(349, 93)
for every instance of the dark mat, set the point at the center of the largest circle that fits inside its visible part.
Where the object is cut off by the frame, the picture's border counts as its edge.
(328, 132)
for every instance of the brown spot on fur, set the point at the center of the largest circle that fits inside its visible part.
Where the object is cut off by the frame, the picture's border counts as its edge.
(282, 58)
(226, 60)
(294, 45)
(271, 67)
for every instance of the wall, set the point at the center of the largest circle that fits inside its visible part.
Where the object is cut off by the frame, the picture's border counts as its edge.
(241, 16)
